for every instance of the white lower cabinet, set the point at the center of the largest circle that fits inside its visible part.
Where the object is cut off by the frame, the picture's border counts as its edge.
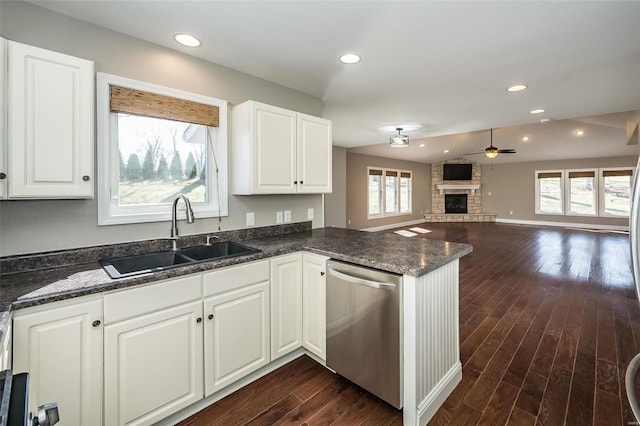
(237, 324)
(286, 304)
(314, 278)
(153, 358)
(61, 349)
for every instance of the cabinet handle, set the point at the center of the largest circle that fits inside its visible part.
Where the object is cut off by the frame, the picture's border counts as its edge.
(86, 178)
(96, 323)
(295, 182)
(301, 182)
(199, 320)
(3, 175)
(210, 316)
(322, 274)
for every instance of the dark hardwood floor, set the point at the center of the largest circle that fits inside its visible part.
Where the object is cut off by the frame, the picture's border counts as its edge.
(548, 323)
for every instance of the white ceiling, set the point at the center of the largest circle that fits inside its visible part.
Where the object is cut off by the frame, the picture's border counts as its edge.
(441, 65)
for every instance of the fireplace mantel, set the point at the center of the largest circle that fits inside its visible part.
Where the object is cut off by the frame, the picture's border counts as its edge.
(444, 188)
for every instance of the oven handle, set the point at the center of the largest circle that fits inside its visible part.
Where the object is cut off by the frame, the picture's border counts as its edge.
(362, 281)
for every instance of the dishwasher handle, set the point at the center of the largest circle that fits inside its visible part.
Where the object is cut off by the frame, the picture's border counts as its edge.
(362, 281)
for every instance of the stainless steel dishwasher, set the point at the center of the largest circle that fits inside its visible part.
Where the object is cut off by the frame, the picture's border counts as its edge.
(364, 328)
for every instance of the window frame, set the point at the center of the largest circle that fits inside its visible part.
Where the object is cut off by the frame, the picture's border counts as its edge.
(562, 192)
(601, 194)
(383, 189)
(108, 160)
(567, 194)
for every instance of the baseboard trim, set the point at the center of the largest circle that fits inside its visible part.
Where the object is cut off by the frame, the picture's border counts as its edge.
(394, 225)
(564, 224)
(434, 400)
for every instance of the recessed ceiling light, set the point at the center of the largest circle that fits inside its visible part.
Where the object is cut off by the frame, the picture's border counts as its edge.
(579, 132)
(446, 151)
(525, 138)
(517, 88)
(421, 145)
(187, 40)
(537, 111)
(349, 58)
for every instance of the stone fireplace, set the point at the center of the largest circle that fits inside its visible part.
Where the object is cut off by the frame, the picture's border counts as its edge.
(455, 203)
(457, 200)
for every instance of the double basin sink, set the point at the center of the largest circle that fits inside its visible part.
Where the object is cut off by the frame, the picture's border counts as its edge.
(121, 267)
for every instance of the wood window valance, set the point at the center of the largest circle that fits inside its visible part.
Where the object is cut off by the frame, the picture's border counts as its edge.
(405, 174)
(375, 172)
(612, 173)
(391, 173)
(574, 175)
(138, 102)
(547, 175)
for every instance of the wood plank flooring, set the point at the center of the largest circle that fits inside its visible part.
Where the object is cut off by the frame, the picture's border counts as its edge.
(548, 323)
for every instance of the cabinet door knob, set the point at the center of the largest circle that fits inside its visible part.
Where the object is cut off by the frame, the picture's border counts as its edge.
(86, 178)
(96, 323)
(210, 316)
(3, 175)
(295, 182)
(199, 320)
(322, 274)
(301, 182)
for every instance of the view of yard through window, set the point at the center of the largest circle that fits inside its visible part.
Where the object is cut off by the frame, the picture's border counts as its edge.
(159, 159)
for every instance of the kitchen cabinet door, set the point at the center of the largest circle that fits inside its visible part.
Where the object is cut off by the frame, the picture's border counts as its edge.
(236, 335)
(3, 118)
(314, 282)
(50, 127)
(61, 349)
(153, 365)
(286, 304)
(314, 154)
(263, 149)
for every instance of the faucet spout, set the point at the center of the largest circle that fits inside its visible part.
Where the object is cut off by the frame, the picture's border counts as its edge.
(189, 211)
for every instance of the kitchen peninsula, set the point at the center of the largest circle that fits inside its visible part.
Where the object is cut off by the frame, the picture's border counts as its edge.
(430, 343)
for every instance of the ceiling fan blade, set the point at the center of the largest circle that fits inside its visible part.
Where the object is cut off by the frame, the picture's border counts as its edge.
(507, 151)
(474, 153)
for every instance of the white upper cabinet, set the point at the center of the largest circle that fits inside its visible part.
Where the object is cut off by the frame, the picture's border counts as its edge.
(50, 126)
(277, 151)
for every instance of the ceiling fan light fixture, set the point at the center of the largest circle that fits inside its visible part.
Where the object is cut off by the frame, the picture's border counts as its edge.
(491, 152)
(399, 141)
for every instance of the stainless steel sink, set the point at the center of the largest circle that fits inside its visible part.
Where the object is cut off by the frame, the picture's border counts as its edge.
(159, 261)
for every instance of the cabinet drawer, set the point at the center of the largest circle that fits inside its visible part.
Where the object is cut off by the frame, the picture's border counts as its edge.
(142, 300)
(235, 277)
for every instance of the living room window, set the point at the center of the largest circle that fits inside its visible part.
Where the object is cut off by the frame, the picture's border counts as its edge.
(615, 191)
(549, 192)
(155, 143)
(389, 192)
(602, 192)
(582, 188)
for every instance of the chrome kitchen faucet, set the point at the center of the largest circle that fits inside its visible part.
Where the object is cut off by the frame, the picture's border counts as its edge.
(174, 222)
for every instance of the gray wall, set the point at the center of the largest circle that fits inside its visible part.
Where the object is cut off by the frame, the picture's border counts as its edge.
(512, 188)
(357, 190)
(34, 226)
(335, 204)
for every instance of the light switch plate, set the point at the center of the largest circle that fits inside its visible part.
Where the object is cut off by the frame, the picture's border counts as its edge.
(251, 219)
(279, 218)
(309, 214)
(287, 216)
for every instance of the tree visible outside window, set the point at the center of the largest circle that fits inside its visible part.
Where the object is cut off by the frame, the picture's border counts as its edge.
(549, 188)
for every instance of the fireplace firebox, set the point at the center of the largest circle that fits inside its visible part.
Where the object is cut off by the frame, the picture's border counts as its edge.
(455, 203)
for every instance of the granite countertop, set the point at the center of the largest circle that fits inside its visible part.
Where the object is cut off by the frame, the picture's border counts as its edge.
(387, 251)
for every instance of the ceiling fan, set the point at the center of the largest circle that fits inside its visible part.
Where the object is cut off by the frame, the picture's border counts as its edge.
(492, 151)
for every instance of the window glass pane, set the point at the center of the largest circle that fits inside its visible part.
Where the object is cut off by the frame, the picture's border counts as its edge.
(375, 195)
(582, 196)
(159, 159)
(405, 195)
(390, 194)
(617, 195)
(550, 195)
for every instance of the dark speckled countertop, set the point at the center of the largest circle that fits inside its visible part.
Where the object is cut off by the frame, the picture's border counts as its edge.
(81, 274)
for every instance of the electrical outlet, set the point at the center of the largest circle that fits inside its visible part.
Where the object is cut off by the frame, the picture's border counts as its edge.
(489, 193)
(251, 219)
(279, 218)
(511, 212)
(309, 214)
(287, 216)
